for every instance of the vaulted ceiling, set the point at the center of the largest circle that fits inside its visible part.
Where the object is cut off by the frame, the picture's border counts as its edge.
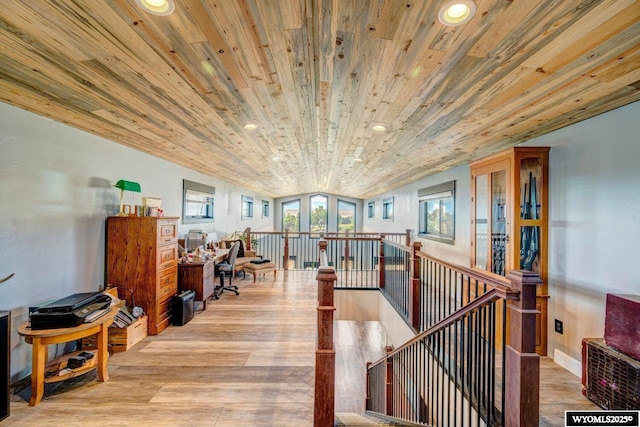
(315, 76)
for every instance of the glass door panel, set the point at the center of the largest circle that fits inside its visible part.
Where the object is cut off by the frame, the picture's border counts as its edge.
(530, 188)
(481, 221)
(498, 222)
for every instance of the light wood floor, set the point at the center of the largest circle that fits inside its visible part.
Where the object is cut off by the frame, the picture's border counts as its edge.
(247, 360)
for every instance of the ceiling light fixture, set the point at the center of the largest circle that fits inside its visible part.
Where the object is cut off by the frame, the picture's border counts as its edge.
(379, 128)
(251, 126)
(357, 160)
(457, 12)
(157, 7)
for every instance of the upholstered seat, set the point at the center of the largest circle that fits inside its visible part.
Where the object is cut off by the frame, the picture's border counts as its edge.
(262, 268)
(227, 268)
(244, 255)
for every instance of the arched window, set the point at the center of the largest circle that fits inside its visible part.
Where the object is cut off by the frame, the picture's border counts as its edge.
(318, 214)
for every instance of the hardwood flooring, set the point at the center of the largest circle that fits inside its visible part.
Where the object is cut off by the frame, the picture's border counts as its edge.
(247, 360)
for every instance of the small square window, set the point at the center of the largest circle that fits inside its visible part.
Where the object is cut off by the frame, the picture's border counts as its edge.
(387, 209)
(247, 207)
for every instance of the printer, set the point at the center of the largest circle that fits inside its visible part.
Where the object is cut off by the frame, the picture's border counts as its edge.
(70, 311)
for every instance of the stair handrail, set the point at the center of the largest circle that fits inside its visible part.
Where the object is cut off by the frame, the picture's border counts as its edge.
(491, 295)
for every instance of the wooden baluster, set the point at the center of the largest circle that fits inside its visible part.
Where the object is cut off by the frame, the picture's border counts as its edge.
(415, 290)
(381, 260)
(324, 406)
(522, 373)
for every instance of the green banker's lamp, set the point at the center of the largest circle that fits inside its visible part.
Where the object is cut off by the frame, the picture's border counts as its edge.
(129, 186)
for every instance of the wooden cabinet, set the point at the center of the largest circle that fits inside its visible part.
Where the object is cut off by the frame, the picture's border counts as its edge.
(510, 217)
(142, 256)
(199, 277)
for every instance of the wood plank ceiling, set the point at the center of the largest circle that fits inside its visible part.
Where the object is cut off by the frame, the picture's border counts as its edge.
(315, 76)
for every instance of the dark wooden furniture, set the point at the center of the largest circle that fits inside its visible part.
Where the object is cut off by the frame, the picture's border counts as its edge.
(198, 277)
(510, 221)
(142, 256)
(41, 339)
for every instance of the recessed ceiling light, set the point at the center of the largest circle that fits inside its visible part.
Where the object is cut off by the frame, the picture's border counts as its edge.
(251, 126)
(457, 12)
(275, 158)
(379, 128)
(157, 7)
(357, 160)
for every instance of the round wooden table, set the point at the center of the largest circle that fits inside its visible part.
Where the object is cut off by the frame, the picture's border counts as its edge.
(41, 339)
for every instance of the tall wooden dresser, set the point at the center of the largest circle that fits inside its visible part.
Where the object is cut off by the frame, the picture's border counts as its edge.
(142, 256)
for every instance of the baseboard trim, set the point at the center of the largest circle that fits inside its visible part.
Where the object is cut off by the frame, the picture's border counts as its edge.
(567, 362)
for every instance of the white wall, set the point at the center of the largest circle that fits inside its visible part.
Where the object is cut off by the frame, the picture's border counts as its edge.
(406, 214)
(56, 190)
(594, 230)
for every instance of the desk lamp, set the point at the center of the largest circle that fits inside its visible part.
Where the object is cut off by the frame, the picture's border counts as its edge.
(129, 186)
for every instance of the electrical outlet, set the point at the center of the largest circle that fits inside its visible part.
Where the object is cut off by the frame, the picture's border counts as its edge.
(559, 326)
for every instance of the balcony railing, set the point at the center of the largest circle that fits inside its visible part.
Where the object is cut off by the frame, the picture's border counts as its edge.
(466, 366)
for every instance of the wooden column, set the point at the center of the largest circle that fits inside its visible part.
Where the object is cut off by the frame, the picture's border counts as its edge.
(522, 382)
(415, 289)
(324, 405)
(407, 237)
(381, 260)
(286, 249)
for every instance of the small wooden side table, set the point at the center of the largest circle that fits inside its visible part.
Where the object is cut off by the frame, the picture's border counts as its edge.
(41, 339)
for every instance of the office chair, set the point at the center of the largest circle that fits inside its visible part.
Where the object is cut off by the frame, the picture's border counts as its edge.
(227, 268)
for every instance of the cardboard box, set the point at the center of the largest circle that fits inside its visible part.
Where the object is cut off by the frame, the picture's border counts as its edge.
(622, 324)
(121, 339)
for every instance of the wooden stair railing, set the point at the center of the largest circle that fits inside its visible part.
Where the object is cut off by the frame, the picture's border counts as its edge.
(460, 350)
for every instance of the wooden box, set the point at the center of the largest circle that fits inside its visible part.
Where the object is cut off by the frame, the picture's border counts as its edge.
(622, 324)
(121, 339)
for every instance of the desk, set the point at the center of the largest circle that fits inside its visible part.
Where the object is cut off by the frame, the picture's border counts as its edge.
(40, 339)
(200, 276)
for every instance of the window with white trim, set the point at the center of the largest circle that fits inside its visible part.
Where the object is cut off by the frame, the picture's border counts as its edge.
(437, 212)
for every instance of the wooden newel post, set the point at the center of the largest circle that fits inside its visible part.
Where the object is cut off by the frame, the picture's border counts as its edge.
(324, 406)
(247, 243)
(367, 390)
(414, 291)
(407, 237)
(522, 382)
(381, 260)
(286, 249)
(388, 383)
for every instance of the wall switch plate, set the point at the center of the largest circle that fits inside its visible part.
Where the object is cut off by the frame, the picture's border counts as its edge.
(558, 326)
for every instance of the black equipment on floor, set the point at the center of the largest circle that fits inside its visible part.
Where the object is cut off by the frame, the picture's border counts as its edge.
(182, 307)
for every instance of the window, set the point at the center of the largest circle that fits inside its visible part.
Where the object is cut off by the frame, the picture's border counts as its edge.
(319, 214)
(265, 209)
(197, 202)
(437, 214)
(291, 215)
(371, 210)
(247, 207)
(387, 209)
(346, 216)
